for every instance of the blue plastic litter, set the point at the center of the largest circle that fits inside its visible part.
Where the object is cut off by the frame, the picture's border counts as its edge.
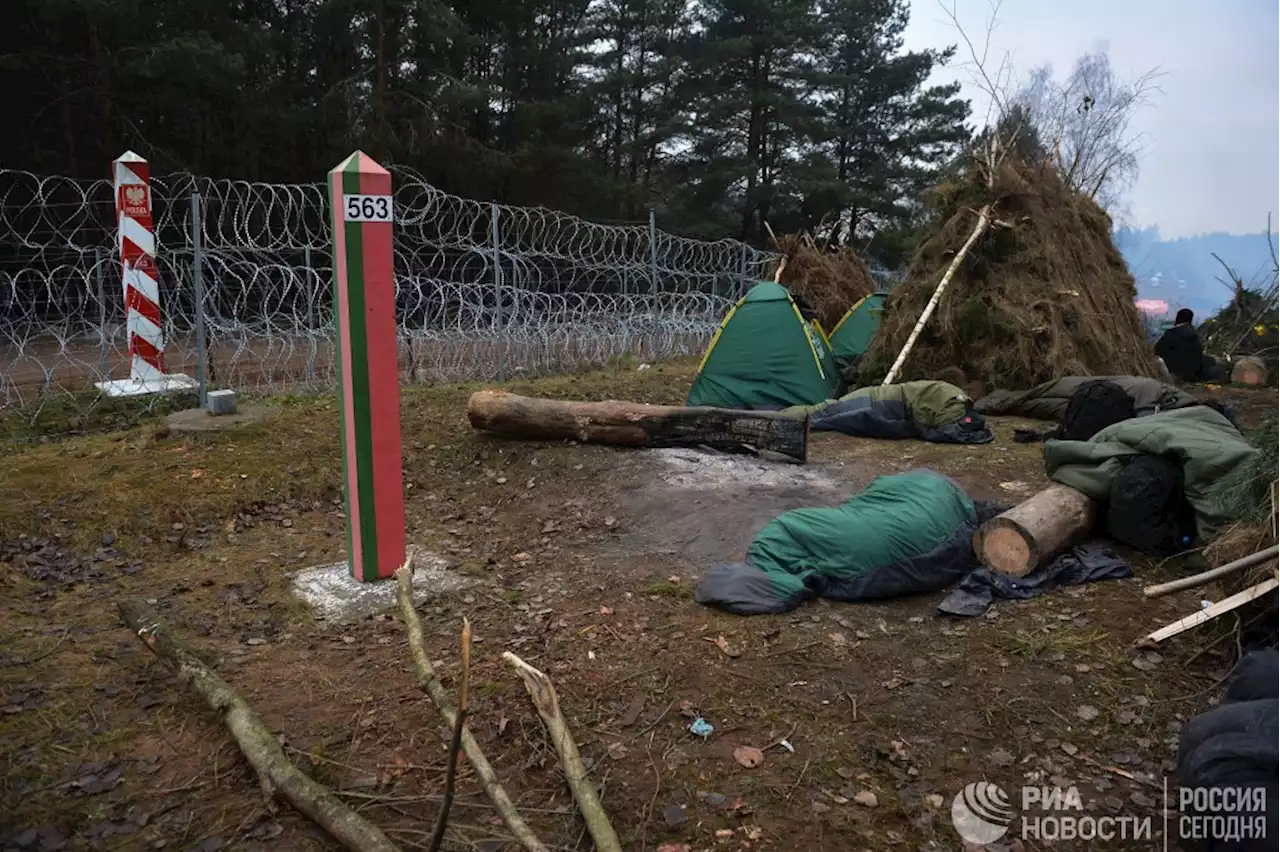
(700, 727)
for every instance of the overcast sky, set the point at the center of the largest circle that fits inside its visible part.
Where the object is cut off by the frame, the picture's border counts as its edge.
(1212, 137)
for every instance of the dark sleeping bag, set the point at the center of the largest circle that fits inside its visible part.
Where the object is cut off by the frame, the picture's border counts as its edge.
(1147, 509)
(1235, 746)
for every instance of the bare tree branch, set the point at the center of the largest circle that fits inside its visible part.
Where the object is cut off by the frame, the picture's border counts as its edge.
(1086, 122)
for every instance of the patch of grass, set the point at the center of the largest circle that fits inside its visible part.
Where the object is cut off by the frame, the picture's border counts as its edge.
(682, 591)
(1030, 645)
(488, 689)
(140, 481)
(63, 415)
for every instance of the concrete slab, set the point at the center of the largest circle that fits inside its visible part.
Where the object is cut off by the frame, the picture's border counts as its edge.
(172, 383)
(199, 420)
(336, 596)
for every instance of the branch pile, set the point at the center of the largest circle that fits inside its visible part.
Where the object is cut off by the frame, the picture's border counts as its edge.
(1043, 293)
(280, 778)
(829, 280)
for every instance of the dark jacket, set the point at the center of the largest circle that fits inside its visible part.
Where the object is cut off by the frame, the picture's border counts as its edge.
(1180, 349)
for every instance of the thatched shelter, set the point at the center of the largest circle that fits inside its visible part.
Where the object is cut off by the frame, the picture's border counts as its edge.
(1042, 292)
(829, 280)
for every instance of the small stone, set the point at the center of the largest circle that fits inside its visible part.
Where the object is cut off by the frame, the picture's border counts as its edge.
(1069, 748)
(934, 800)
(1142, 800)
(255, 640)
(1087, 712)
(715, 800)
(1000, 757)
(821, 808)
(867, 799)
(674, 815)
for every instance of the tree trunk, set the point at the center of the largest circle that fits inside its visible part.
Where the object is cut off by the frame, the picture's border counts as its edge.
(102, 92)
(1031, 533)
(631, 424)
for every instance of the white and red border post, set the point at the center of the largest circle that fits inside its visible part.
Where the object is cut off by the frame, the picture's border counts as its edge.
(141, 279)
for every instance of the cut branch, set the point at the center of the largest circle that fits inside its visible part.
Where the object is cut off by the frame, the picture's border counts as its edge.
(455, 742)
(276, 772)
(543, 695)
(430, 684)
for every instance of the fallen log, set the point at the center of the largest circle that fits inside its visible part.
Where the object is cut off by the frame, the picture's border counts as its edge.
(545, 701)
(276, 773)
(633, 424)
(1028, 535)
(1206, 577)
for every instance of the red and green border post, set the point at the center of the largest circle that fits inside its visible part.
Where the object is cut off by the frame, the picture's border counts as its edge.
(364, 300)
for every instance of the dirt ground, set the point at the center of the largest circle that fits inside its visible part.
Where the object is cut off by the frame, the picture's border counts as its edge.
(581, 560)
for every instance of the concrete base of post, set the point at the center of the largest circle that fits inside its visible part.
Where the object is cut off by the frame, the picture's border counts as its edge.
(172, 383)
(336, 596)
(200, 420)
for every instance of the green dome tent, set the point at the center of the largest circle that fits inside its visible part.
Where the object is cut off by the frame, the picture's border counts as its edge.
(765, 356)
(852, 335)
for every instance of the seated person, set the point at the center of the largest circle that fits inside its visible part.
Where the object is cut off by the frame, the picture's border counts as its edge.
(1180, 349)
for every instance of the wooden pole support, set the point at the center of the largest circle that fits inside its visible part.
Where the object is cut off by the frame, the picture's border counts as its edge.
(1028, 535)
(632, 424)
(984, 218)
(1222, 607)
(364, 301)
(1206, 577)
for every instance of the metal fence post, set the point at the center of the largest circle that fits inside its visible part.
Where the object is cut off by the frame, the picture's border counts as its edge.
(497, 291)
(102, 313)
(742, 269)
(311, 317)
(197, 265)
(653, 257)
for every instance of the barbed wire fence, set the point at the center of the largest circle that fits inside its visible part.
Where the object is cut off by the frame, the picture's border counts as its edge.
(484, 291)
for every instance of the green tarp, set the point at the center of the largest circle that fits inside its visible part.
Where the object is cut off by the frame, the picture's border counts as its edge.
(904, 534)
(1200, 440)
(765, 356)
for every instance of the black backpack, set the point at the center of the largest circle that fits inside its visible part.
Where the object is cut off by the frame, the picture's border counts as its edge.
(1092, 407)
(1147, 508)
